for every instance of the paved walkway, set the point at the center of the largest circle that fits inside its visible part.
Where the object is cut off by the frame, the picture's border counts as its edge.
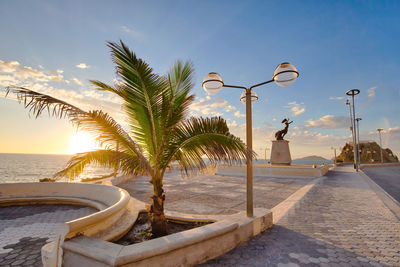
(341, 222)
(215, 194)
(25, 229)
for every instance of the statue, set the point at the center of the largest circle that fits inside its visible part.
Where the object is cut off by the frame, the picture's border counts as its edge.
(280, 134)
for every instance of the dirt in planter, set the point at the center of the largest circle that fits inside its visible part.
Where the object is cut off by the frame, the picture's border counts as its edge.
(141, 230)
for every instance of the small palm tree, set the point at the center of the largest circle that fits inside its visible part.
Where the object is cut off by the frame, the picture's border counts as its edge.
(159, 132)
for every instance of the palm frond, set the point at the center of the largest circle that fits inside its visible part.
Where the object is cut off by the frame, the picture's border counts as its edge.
(126, 163)
(141, 91)
(107, 130)
(176, 100)
(37, 102)
(205, 137)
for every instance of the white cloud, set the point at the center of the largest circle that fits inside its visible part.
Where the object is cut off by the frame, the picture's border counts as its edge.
(232, 124)
(371, 92)
(6, 80)
(12, 73)
(210, 107)
(390, 138)
(239, 114)
(329, 122)
(394, 130)
(296, 108)
(8, 66)
(336, 98)
(76, 81)
(302, 143)
(26, 74)
(82, 66)
(134, 33)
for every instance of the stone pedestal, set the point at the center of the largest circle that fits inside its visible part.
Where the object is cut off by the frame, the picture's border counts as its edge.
(280, 153)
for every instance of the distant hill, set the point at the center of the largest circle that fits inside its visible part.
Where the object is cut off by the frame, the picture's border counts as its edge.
(370, 153)
(313, 157)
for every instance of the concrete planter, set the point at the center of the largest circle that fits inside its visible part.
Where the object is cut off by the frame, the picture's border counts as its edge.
(181, 249)
(115, 216)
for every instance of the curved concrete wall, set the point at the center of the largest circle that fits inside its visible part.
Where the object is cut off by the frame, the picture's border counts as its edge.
(112, 203)
(186, 248)
(100, 193)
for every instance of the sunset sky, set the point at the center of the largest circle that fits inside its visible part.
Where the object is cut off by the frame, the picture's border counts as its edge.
(56, 47)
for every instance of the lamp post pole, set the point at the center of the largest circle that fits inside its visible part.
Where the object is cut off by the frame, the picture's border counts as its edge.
(351, 128)
(249, 142)
(358, 142)
(334, 151)
(352, 93)
(265, 154)
(284, 75)
(380, 142)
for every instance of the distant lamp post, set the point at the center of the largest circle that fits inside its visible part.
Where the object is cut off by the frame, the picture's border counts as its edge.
(334, 150)
(265, 155)
(358, 141)
(284, 75)
(380, 142)
(351, 126)
(352, 93)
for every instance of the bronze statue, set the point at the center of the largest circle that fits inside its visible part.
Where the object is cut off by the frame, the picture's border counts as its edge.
(280, 134)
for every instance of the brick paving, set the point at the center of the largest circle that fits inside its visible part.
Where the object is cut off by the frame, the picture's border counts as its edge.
(215, 194)
(341, 222)
(25, 229)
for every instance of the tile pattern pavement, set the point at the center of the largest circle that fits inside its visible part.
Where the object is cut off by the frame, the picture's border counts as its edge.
(25, 229)
(215, 194)
(341, 222)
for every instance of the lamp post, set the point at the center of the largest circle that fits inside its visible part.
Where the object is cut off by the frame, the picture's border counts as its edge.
(284, 75)
(265, 155)
(352, 93)
(358, 142)
(334, 150)
(351, 126)
(380, 142)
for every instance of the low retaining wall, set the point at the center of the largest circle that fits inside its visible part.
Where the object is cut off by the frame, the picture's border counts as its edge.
(373, 165)
(185, 248)
(116, 214)
(112, 203)
(277, 170)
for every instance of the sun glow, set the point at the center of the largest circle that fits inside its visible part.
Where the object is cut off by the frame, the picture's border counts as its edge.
(81, 142)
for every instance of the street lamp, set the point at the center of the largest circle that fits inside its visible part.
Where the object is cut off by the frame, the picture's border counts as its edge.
(358, 142)
(351, 126)
(380, 142)
(334, 150)
(265, 155)
(284, 75)
(352, 93)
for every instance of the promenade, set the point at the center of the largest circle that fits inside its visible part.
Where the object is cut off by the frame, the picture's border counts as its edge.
(25, 229)
(215, 194)
(340, 222)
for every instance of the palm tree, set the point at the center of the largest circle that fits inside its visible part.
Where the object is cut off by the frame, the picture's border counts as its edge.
(159, 132)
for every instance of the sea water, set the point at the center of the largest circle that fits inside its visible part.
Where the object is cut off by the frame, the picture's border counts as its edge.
(21, 168)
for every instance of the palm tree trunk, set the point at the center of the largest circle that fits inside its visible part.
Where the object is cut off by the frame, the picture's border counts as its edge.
(158, 220)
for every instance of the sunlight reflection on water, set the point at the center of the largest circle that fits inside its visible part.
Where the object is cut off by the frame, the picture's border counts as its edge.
(20, 168)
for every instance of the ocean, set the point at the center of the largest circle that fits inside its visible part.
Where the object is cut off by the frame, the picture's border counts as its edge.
(20, 168)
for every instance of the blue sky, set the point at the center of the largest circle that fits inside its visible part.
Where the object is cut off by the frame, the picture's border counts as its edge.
(335, 45)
